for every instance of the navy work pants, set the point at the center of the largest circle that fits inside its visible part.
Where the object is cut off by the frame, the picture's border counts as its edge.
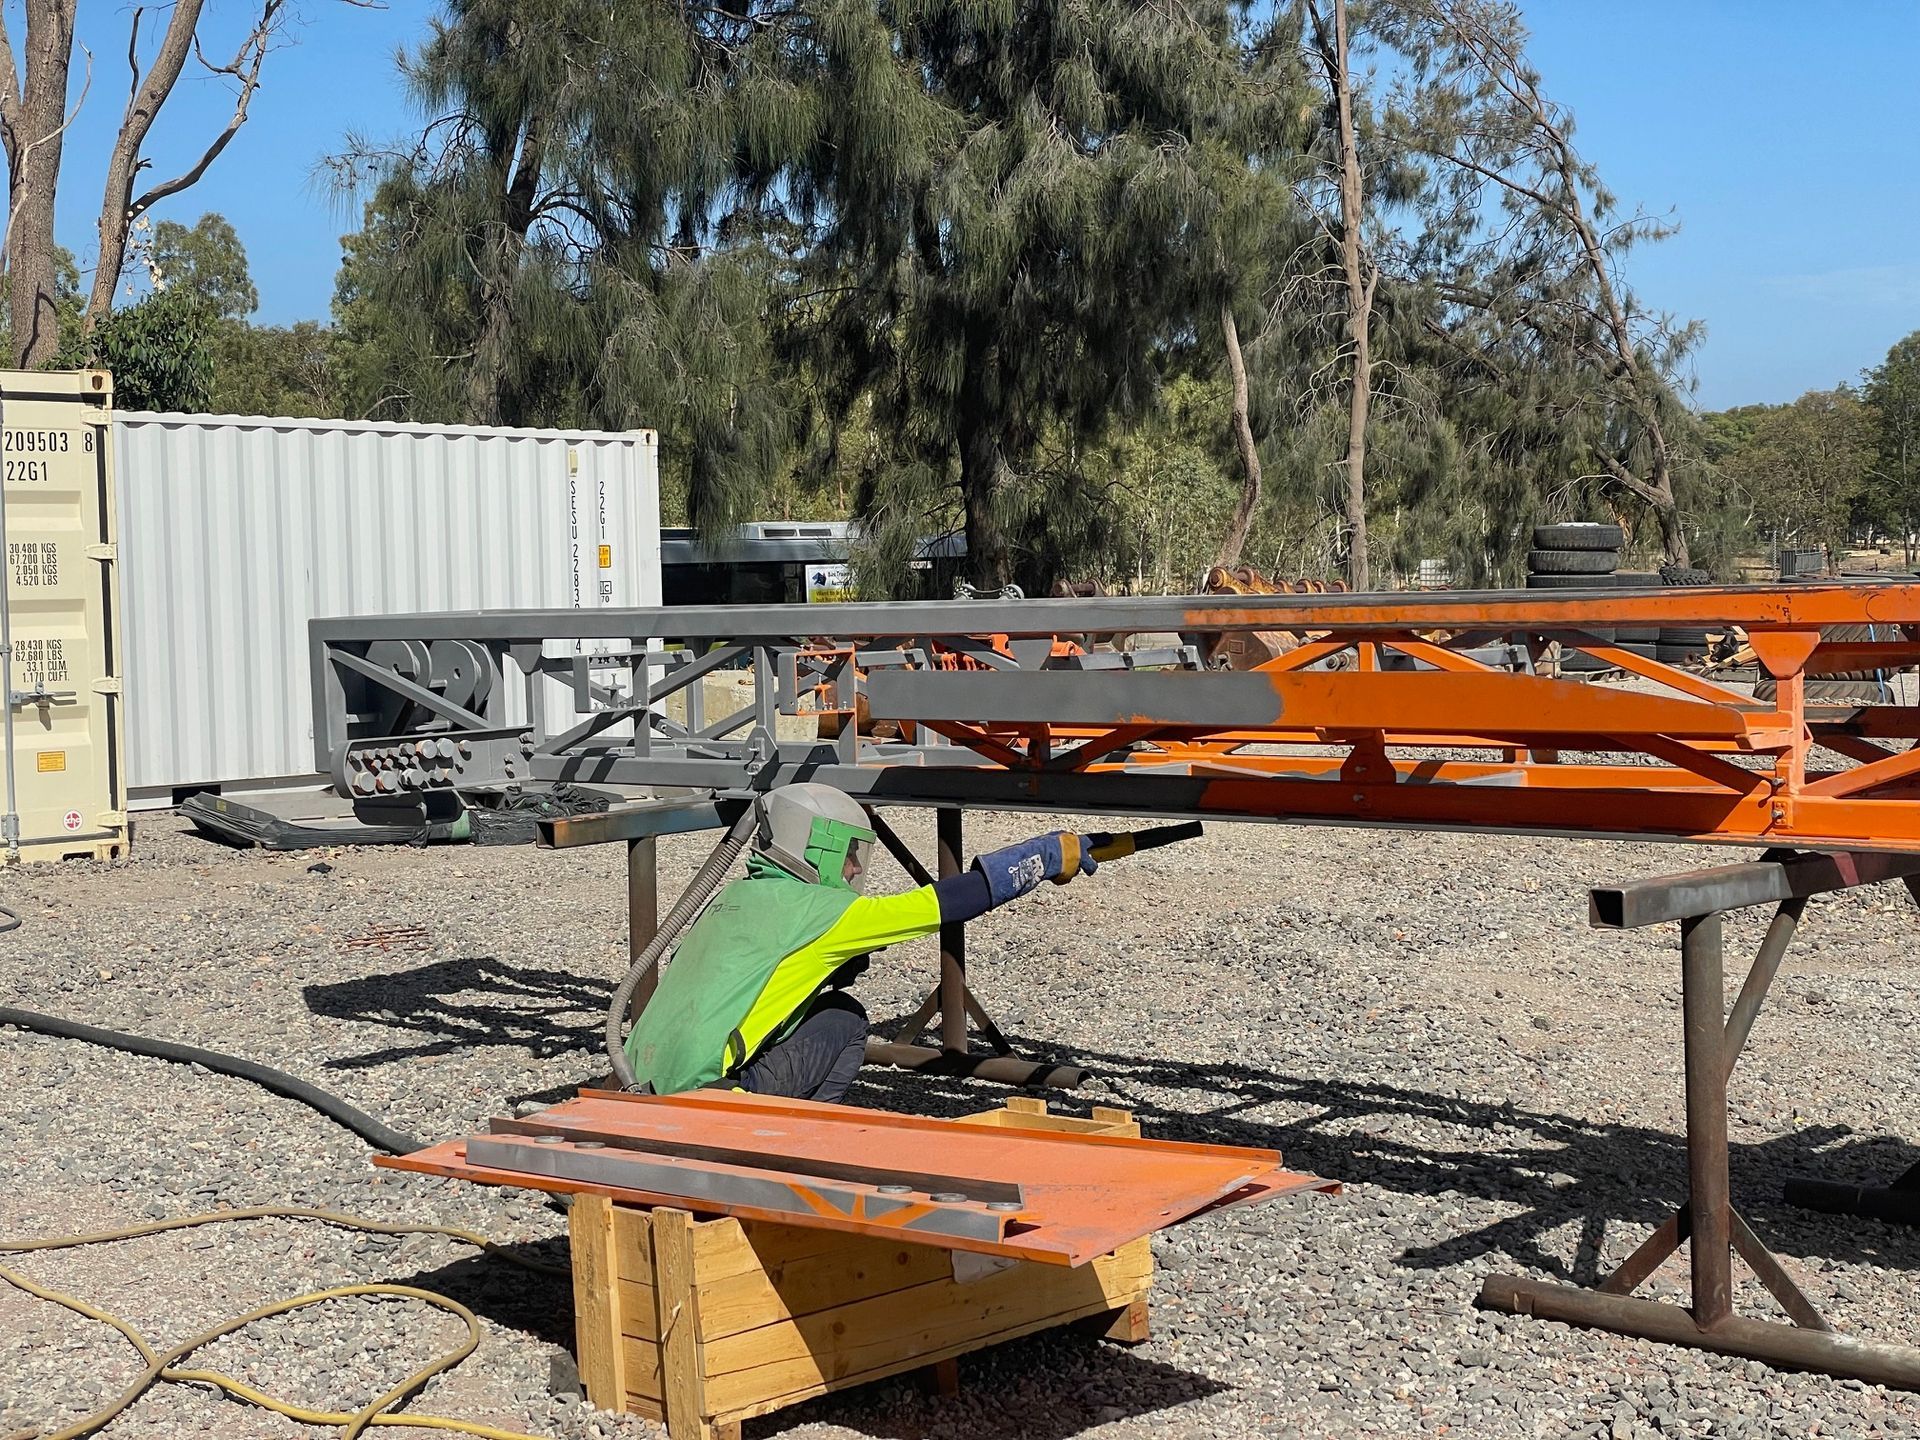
(819, 1059)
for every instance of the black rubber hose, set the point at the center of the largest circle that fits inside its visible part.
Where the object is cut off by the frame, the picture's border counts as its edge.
(332, 1106)
(705, 881)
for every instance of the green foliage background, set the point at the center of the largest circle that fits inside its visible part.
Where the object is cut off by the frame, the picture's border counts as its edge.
(945, 266)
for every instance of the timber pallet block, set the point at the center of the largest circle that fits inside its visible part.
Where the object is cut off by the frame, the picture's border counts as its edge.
(703, 1323)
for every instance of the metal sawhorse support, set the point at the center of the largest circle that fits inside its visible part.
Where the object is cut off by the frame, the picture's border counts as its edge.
(1708, 1223)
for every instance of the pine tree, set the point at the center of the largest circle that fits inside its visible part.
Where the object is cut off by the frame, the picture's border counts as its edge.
(573, 238)
(1003, 261)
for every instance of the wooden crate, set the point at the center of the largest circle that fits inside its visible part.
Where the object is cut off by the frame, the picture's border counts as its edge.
(704, 1323)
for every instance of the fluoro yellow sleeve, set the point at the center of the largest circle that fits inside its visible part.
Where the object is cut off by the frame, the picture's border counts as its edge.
(871, 922)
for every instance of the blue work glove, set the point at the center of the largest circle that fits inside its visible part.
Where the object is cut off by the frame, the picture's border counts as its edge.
(1012, 872)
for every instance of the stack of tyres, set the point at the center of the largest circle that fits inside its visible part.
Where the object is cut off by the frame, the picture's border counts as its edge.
(1642, 640)
(1850, 687)
(1577, 555)
(1684, 644)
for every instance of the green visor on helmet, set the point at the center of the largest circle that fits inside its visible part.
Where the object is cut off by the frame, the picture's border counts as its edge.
(830, 843)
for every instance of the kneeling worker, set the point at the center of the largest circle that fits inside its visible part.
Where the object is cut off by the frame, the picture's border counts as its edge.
(753, 997)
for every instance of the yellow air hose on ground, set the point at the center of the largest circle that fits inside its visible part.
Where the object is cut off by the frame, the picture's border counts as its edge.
(166, 1366)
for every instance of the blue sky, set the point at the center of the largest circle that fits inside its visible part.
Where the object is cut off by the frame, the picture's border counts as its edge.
(1781, 141)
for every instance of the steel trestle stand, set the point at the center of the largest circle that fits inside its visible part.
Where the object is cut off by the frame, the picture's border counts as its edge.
(1708, 1223)
(952, 999)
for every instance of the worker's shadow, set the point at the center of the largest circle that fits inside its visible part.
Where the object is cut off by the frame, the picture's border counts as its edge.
(458, 1005)
(1561, 1171)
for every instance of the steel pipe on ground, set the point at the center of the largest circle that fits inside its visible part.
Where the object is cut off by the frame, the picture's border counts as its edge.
(1004, 1069)
(1787, 1347)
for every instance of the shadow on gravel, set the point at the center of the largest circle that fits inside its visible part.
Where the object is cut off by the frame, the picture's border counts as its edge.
(1047, 1386)
(525, 1300)
(1562, 1169)
(462, 1004)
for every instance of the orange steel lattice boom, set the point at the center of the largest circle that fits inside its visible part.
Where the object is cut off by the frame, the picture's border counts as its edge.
(1387, 713)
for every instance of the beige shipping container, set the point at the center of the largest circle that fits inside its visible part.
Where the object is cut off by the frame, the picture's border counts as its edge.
(64, 792)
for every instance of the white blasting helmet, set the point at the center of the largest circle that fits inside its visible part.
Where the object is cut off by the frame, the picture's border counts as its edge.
(810, 830)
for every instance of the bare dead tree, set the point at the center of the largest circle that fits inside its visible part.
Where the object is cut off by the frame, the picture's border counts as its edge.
(1249, 501)
(33, 99)
(33, 122)
(1332, 45)
(119, 207)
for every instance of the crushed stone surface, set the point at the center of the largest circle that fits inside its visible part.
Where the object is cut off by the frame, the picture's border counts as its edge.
(1425, 1017)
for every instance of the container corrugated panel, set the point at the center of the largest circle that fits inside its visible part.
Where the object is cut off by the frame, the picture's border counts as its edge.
(241, 530)
(61, 584)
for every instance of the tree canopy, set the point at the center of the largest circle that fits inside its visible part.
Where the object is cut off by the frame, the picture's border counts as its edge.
(1113, 288)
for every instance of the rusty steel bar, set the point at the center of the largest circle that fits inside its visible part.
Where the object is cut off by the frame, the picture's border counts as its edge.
(1787, 1347)
(1746, 1006)
(896, 847)
(643, 915)
(1731, 887)
(950, 839)
(1703, 1008)
(1002, 1069)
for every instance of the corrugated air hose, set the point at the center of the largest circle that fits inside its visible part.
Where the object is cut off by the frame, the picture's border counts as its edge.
(705, 881)
(165, 1366)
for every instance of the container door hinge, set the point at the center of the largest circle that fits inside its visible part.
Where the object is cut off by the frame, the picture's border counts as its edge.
(107, 553)
(107, 685)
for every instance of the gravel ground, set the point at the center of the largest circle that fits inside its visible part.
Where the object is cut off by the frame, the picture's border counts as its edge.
(1426, 1017)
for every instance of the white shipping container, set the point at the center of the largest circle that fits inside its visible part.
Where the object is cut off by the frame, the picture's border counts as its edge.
(236, 531)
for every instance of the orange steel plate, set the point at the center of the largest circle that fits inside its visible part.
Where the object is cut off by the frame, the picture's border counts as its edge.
(1080, 1196)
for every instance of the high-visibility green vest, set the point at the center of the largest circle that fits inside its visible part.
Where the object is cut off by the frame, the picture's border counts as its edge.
(693, 1029)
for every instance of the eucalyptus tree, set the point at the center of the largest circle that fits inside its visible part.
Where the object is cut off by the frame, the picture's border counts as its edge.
(1893, 393)
(1530, 258)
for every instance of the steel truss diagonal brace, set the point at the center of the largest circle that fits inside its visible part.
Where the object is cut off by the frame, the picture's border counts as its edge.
(952, 999)
(408, 690)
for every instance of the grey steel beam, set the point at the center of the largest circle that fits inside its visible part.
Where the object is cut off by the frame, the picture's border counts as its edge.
(762, 1189)
(984, 1191)
(1491, 609)
(1731, 887)
(645, 820)
(1218, 699)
